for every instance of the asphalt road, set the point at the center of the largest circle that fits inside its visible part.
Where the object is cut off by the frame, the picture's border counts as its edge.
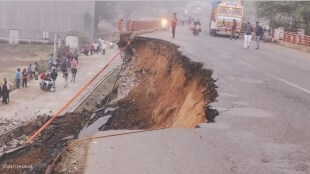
(264, 121)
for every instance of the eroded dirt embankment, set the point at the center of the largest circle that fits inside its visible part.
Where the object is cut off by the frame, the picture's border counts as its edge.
(172, 90)
(158, 88)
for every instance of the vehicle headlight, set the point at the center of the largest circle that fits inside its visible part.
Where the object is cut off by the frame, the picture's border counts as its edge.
(164, 22)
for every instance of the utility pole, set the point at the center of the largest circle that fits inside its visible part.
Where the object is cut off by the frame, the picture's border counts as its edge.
(55, 41)
(291, 22)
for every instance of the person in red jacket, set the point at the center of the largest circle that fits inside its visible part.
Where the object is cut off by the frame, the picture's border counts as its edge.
(25, 77)
(174, 24)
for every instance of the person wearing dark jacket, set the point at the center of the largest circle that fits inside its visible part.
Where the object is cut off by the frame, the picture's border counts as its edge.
(5, 92)
(259, 34)
(54, 75)
(73, 71)
(1, 94)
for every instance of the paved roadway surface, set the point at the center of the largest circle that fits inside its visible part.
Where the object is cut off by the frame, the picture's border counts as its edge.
(27, 103)
(263, 128)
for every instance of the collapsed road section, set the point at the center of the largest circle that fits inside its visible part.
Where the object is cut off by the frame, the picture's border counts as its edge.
(157, 87)
(166, 89)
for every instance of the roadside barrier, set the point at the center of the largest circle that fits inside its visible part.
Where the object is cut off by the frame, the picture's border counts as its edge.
(136, 25)
(294, 38)
(74, 97)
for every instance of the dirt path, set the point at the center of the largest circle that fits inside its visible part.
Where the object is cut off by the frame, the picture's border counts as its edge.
(27, 103)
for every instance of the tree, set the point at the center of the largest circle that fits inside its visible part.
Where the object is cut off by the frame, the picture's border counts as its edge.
(280, 13)
(302, 15)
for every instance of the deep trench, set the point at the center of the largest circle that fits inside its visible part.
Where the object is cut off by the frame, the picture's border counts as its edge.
(169, 89)
(158, 88)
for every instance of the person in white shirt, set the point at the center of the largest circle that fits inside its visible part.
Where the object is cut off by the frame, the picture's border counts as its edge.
(102, 43)
(213, 28)
(8, 85)
(96, 48)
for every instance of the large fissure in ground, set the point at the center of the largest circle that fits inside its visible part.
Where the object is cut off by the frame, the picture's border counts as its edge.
(171, 90)
(158, 88)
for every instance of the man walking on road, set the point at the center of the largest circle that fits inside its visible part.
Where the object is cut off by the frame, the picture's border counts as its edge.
(233, 30)
(174, 24)
(259, 34)
(213, 27)
(248, 35)
(18, 77)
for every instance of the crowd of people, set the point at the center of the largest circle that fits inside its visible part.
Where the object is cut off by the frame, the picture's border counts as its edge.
(21, 79)
(248, 32)
(94, 48)
(66, 62)
(32, 72)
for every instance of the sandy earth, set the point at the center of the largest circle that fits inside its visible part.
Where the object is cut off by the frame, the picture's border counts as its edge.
(27, 103)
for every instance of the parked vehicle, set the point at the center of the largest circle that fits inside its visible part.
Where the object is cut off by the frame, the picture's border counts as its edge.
(47, 84)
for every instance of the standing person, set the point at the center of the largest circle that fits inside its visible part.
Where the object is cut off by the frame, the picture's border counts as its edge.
(96, 48)
(66, 74)
(91, 49)
(213, 28)
(36, 70)
(54, 75)
(103, 46)
(5, 93)
(76, 56)
(18, 77)
(1, 92)
(30, 72)
(73, 71)
(73, 63)
(50, 62)
(233, 30)
(24, 76)
(174, 24)
(248, 35)
(64, 67)
(259, 34)
(8, 87)
(182, 24)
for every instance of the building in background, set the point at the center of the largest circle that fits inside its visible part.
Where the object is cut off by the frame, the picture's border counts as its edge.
(39, 20)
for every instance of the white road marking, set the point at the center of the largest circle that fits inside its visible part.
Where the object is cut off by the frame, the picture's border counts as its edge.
(275, 77)
(249, 65)
(296, 86)
(224, 52)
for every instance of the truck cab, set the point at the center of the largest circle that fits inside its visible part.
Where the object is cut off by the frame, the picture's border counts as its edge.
(224, 13)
